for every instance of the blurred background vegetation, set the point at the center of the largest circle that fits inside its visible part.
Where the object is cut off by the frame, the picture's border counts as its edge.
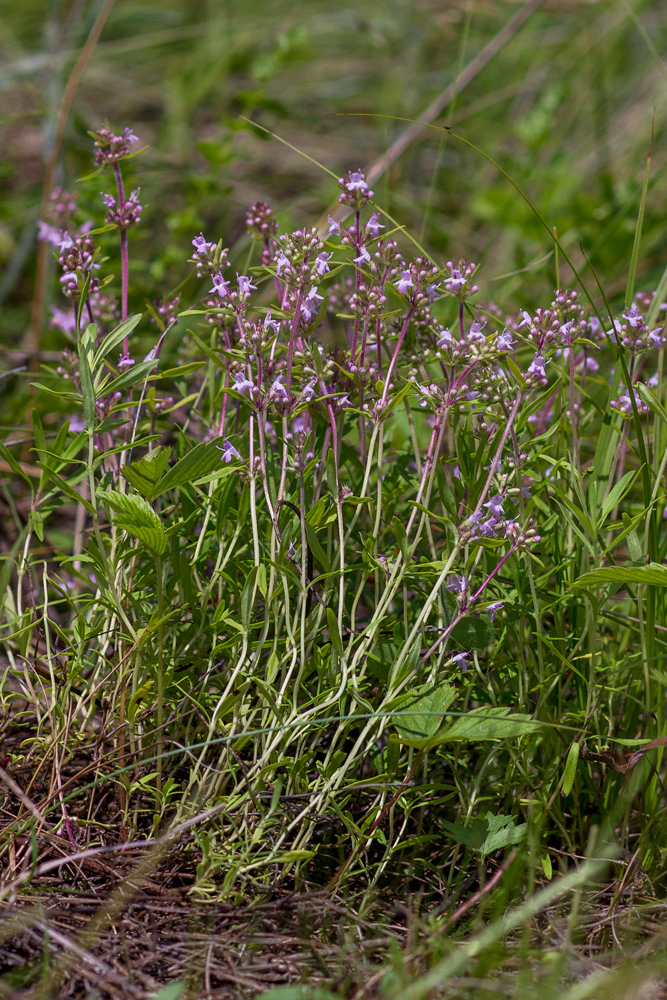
(565, 106)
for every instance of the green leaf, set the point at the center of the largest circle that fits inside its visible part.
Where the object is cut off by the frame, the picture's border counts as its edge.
(401, 537)
(129, 378)
(316, 549)
(248, 598)
(488, 723)
(297, 993)
(616, 495)
(202, 460)
(446, 495)
(145, 474)
(334, 633)
(66, 488)
(290, 856)
(654, 574)
(87, 390)
(421, 713)
(570, 768)
(172, 991)
(474, 633)
(488, 834)
(136, 516)
(113, 339)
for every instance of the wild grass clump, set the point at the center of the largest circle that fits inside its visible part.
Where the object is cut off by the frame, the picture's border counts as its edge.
(338, 578)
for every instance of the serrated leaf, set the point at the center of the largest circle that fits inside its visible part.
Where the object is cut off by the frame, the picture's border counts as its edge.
(421, 713)
(153, 538)
(202, 460)
(488, 834)
(136, 516)
(474, 633)
(145, 474)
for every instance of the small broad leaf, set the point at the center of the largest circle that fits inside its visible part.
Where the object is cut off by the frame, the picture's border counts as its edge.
(488, 723)
(474, 633)
(421, 713)
(172, 991)
(145, 474)
(488, 833)
(297, 993)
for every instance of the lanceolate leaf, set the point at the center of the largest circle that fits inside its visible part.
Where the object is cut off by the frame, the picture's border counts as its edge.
(654, 574)
(201, 461)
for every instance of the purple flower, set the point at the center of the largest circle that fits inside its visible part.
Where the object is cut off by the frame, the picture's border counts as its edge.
(322, 262)
(220, 285)
(109, 200)
(363, 257)
(125, 361)
(334, 227)
(310, 304)
(405, 282)
(633, 317)
(356, 182)
(49, 234)
(201, 245)
(244, 285)
(279, 387)
(308, 392)
(505, 341)
(445, 339)
(228, 452)
(495, 505)
(493, 609)
(455, 283)
(656, 338)
(527, 319)
(271, 324)
(373, 227)
(475, 333)
(461, 660)
(537, 367)
(459, 584)
(566, 332)
(432, 293)
(281, 262)
(63, 320)
(241, 383)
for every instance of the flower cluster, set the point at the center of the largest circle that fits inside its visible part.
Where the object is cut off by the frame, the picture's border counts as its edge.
(123, 215)
(110, 148)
